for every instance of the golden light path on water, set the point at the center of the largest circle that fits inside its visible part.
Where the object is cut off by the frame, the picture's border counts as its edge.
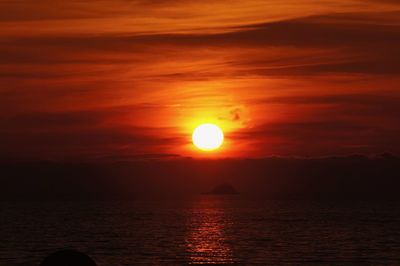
(207, 241)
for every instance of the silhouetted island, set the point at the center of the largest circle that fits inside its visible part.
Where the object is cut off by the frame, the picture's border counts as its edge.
(223, 189)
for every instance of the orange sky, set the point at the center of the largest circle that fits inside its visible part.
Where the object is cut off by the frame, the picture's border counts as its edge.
(92, 79)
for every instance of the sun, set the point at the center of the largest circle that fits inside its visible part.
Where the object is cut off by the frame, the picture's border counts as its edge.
(208, 137)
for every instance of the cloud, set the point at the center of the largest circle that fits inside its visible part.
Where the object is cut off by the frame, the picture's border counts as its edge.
(352, 99)
(77, 133)
(319, 137)
(85, 142)
(232, 115)
(340, 43)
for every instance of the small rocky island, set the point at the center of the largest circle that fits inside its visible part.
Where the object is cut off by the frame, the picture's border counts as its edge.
(223, 189)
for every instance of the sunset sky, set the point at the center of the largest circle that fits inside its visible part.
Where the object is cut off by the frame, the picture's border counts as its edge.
(84, 79)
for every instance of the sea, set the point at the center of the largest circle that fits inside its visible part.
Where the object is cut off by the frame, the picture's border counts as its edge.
(203, 230)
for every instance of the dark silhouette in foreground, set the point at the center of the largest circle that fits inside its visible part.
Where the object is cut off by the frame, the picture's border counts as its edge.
(68, 258)
(223, 189)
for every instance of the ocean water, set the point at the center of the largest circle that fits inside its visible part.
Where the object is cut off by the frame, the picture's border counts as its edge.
(204, 230)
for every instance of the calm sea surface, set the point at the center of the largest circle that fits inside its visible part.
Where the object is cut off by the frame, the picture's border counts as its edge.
(208, 229)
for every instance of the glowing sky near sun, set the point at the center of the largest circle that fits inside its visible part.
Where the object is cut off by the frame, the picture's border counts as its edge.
(87, 79)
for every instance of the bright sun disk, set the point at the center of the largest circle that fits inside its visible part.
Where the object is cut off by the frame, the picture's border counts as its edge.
(208, 137)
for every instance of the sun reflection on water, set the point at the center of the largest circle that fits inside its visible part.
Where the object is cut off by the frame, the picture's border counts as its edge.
(207, 241)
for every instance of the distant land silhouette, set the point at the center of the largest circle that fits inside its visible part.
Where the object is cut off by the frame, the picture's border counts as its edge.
(350, 177)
